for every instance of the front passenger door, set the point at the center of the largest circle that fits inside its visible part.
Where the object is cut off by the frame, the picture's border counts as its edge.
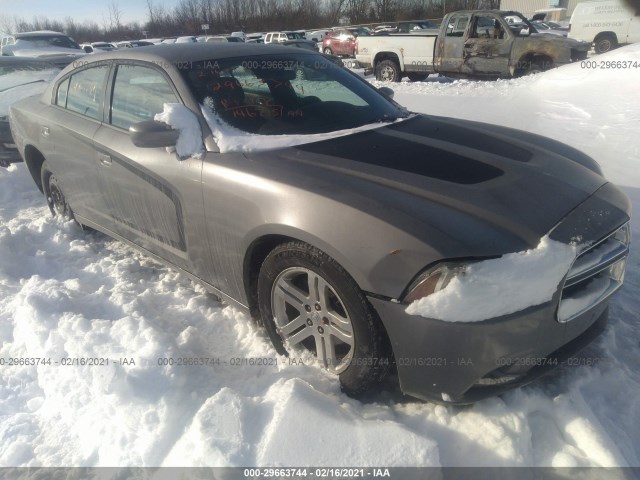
(145, 187)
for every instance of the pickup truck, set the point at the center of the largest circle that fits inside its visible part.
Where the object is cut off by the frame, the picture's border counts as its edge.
(472, 43)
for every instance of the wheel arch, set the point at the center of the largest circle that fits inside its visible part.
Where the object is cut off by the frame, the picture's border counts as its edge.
(34, 160)
(605, 34)
(545, 60)
(387, 55)
(268, 239)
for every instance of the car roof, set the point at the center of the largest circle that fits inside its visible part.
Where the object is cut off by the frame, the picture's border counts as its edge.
(38, 33)
(192, 52)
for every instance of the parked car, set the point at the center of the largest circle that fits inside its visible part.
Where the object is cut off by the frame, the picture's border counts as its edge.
(316, 35)
(385, 29)
(241, 35)
(224, 38)
(306, 44)
(342, 41)
(134, 44)
(295, 190)
(97, 47)
(546, 27)
(33, 44)
(187, 39)
(20, 77)
(472, 43)
(278, 37)
(606, 24)
(416, 25)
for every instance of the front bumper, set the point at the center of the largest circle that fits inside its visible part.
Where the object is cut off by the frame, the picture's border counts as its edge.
(461, 363)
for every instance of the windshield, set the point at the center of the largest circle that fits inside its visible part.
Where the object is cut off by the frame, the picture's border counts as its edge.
(287, 94)
(40, 41)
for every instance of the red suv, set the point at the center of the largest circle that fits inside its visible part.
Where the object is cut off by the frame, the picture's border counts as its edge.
(342, 41)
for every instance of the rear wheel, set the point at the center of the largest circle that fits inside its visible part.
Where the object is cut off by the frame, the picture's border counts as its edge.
(605, 43)
(388, 71)
(308, 301)
(53, 193)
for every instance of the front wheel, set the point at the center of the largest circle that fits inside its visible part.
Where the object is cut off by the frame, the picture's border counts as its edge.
(308, 301)
(53, 193)
(328, 51)
(388, 71)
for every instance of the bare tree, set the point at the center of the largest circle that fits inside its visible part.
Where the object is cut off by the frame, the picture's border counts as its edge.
(115, 16)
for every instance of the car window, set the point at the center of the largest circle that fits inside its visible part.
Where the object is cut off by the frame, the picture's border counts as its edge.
(61, 93)
(139, 93)
(287, 94)
(86, 91)
(485, 27)
(457, 26)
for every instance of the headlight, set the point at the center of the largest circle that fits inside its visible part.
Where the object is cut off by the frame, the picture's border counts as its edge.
(434, 280)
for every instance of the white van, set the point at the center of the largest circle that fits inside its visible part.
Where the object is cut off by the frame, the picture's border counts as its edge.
(605, 23)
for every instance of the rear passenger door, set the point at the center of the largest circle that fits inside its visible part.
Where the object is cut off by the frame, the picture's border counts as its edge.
(67, 133)
(143, 185)
(449, 58)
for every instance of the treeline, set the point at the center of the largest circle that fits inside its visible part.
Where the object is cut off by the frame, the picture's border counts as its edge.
(224, 16)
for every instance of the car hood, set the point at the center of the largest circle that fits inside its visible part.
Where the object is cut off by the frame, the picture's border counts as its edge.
(435, 171)
(541, 39)
(44, 52)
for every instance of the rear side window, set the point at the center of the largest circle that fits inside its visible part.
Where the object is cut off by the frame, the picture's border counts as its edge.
(139, 93)
(457, 26)
(86, 92)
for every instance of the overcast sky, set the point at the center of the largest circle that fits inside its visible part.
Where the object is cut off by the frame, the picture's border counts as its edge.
(79, 10)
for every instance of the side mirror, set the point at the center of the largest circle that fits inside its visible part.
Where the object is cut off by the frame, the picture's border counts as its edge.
(524, 32)
(152, 134)
(386, 91)
(88, 49)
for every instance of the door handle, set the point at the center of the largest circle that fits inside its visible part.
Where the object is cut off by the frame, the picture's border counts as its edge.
(468, 45)
(104, 159)
(45, 131)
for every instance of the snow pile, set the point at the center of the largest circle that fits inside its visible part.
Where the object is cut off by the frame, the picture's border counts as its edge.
(519, 280)
(180, 118)
(333, 433)
(231, 139)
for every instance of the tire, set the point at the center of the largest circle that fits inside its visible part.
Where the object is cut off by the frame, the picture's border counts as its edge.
(417, 77)
(327, 51)
(388, 71)
(335, 322)
(53, 193)
(605, 43)
(531, 69)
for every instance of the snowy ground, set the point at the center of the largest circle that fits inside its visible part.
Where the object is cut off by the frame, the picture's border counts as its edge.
(65, 293)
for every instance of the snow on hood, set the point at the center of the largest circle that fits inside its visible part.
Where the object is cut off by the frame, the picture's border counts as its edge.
(180, 118)
(496, 287)
(231, 139)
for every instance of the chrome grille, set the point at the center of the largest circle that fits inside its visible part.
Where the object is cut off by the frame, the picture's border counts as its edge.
(595, 275)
